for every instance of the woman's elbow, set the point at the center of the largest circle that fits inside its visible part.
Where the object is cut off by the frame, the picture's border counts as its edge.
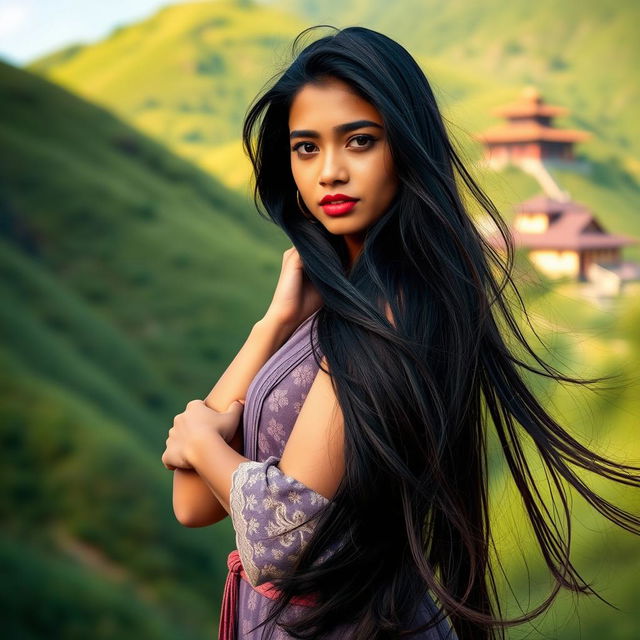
(194, 519)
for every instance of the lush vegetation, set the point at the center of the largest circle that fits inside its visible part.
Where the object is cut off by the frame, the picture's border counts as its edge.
(129, 280)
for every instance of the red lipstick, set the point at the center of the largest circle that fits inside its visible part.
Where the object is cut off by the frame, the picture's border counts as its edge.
(337, 204)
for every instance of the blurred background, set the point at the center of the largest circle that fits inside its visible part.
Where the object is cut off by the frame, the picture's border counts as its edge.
(133, 264)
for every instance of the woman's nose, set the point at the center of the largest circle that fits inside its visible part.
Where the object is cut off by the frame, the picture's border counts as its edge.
(333, 168)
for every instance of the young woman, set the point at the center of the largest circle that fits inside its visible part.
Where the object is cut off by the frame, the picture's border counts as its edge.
(356, 474)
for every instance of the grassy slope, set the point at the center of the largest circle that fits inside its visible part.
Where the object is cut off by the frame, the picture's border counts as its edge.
(124, 223)
(184, 76)
(124, 288)
(154, 74)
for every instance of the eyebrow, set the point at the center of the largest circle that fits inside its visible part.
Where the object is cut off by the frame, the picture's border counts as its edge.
(340, 128)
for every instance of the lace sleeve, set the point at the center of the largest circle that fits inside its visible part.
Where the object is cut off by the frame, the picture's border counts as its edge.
(265, 506)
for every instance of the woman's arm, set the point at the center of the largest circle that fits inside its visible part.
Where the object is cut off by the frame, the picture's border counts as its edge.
(194, 504)
(268, 500)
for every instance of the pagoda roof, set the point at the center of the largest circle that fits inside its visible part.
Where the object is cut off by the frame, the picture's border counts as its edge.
(576, 228)
(529, 104)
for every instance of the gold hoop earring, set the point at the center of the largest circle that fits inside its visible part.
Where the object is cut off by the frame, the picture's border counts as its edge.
(311, 219)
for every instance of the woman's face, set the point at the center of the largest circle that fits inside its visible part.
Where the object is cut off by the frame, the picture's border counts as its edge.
(334, 151)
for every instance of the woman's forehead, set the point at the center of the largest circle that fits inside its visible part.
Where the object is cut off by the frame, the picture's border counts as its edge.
(329, 105)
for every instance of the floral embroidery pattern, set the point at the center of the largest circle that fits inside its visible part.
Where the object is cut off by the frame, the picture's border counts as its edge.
(281, 407)
(265, 506)
(303, 374)
(263, 444)
(278, 399)
(276, 430)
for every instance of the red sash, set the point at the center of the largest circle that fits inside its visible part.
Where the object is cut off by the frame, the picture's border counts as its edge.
(229, 610)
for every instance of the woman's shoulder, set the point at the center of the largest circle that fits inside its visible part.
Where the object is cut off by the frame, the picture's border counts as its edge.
(291, 347)
(276, 393)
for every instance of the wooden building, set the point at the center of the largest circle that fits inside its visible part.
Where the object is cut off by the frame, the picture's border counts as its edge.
(529, 133)
(565, 239)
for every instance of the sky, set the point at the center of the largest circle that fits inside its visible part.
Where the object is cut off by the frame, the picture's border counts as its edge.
(31, 28)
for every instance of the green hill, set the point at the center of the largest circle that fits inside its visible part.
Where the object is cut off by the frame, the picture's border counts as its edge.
(184, 76)
(159, 76)
(126, 290)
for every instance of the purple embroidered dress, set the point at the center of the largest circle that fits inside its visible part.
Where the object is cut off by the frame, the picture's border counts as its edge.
(265, 503)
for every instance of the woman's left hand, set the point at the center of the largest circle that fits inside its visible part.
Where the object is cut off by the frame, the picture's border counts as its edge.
(194, 426)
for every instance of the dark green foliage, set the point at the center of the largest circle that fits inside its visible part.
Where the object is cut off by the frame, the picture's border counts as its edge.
(121, 295)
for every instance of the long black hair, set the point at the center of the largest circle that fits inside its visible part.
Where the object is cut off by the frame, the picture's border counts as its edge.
(412, 511)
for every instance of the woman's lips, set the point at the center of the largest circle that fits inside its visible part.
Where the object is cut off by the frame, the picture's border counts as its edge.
(338, 208)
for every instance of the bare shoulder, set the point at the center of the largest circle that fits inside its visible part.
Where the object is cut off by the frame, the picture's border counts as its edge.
(314, 452)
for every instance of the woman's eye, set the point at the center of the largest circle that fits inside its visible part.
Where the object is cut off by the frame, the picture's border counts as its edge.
(363, 139)
(302, 144)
